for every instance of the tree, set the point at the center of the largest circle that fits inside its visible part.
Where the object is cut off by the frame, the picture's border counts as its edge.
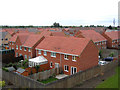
(37, 68)
(110, 27)
(56, 25)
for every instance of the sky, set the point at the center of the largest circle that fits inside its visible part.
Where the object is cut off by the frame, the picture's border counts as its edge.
(65, 12)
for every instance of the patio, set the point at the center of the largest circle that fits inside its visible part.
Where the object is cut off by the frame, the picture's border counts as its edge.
(60, 76)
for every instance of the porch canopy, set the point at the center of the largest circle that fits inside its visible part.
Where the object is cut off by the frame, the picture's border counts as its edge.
(37, 61)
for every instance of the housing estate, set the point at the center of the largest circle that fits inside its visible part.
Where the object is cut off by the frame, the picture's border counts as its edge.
(113, 39)
(97, 38)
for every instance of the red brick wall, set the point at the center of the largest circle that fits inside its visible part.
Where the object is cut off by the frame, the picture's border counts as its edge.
(89, 57)
(109, 40)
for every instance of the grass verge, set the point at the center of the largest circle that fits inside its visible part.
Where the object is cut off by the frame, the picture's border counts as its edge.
(111, 82)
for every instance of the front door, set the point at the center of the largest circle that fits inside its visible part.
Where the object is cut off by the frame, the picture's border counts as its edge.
(56, 65)
(73, 70)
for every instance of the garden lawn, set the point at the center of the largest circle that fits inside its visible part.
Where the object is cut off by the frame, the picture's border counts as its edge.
(51, 79)
(111, 82)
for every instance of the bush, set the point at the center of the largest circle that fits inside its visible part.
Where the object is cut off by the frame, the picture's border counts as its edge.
(2, 83)
(111, 54)
(8, 65)
(5, 69)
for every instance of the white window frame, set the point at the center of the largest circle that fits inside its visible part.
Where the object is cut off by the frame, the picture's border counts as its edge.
(25, 56)
(17, 47)
(25, 48)
(20, 54)
(12, 43)
(29, 49)
(65, 55)
(53, 54)
(20, 47)
(29, 57)
(73, 58)
(50, 65)
(16, 54)
(45, 53)
(65, 68)
(39, 51)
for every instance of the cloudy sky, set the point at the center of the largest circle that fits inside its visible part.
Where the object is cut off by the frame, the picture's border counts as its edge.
(66, 12)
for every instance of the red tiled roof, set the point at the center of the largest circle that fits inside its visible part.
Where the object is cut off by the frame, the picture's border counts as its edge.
(91, 34)
(58, 34)
(45, 33)
(67, 45)
(113, 34)
(13, 39)
(32, 40)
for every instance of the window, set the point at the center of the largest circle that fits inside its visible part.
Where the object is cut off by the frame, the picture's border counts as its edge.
(100, 43)
(12, 47)
(6, 39)
(16, 54)
(29, 57)
(20, 47)
(12, 43)
(45, 53)
(39, 51)
(25, 56)
(24, 48)
(53, 54)
(51, 64)
(29, 49)
(66, 57)
(73, 58)
(97, 43)
(66, 68)
(17, 47)
(20, 54)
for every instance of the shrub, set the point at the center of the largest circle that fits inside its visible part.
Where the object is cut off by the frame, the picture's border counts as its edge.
(111, 54)
(2, 83)
(5, 69)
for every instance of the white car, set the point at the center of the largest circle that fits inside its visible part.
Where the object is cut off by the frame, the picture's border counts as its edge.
(103, 62)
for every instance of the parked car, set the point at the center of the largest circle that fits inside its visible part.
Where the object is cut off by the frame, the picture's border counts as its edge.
(108, 59)
(102, 62)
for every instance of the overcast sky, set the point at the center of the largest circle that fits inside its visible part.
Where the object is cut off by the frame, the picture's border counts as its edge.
(65, 12)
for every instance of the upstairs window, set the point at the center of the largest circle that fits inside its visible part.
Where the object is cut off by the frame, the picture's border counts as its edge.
(24, 48)
(20, 47)
(39, 51)
(66, 57)
(17, 47)
(53, 54)
(45, 53)
(74, 58)
(29, 49)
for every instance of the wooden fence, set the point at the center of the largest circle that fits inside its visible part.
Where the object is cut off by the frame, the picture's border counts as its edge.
(43, 75)
(67, 82)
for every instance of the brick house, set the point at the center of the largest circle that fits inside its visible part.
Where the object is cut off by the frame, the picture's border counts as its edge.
(24, 44)
(97, 38)
(113, 39)
(71, 54)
